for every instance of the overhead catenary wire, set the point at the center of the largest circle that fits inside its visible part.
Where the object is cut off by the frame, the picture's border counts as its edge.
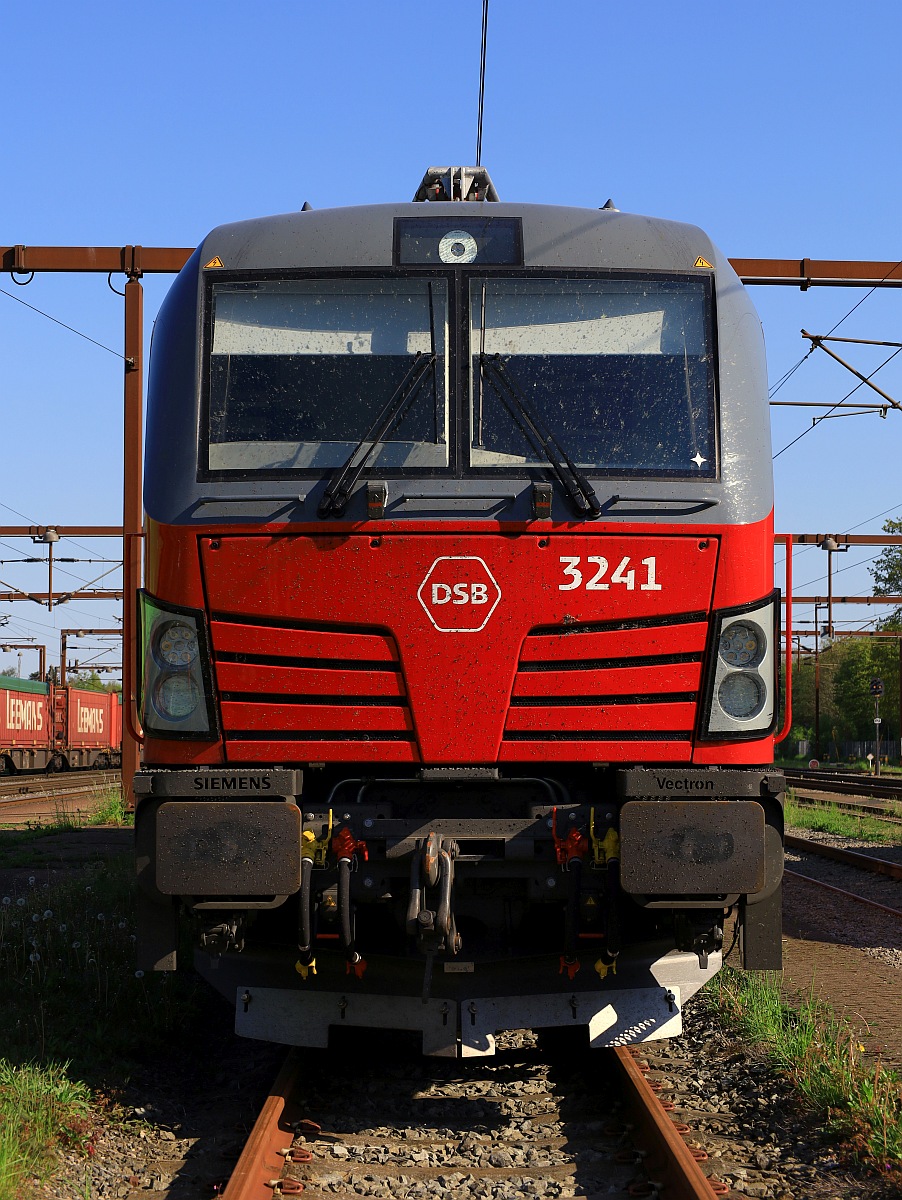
(71, 328)
(814, 424)
(117, 562)
(838, 571)
(876, 517)
(792, 370)
(33, 521)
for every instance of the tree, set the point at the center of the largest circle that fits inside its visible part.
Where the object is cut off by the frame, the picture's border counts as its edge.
(845, 704)
(91, 681)
(53, 675)
(8, 673)
(887, 573)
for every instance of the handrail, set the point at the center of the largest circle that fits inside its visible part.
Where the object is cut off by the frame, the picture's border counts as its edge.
(786, 539)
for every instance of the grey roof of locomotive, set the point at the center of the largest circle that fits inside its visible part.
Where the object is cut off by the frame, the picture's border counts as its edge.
(362, 237)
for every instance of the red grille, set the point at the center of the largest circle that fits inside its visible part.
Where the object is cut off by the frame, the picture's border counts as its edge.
(584, 692)
(310, 693)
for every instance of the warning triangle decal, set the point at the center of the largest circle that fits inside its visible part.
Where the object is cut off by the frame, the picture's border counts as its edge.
(217, 262)
(699, 262)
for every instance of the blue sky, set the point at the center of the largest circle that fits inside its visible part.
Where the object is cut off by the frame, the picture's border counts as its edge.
(774, 127)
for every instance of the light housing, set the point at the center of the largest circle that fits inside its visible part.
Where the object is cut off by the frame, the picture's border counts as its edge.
(176, 691)
(741, 696)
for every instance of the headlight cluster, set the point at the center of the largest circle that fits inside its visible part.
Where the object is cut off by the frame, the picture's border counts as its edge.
(176, 698)
(742, 681)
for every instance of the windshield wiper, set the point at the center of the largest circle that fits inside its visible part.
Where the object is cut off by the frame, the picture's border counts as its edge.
(335, 497)
(579, 491)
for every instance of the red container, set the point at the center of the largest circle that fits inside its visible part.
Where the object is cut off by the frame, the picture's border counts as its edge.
(115, 736)
(24, 717)
(90, 721)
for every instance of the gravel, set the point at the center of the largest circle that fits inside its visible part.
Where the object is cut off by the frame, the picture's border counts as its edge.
(398, 1126)
(879, 935)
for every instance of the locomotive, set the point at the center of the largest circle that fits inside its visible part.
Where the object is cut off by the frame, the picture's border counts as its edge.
(459, 639)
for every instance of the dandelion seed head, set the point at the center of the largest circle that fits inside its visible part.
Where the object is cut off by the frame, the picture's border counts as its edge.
(121, 924)
(21, 902)
(76, 945)
(139, 974)
(63, 928)
(101, 917)
(7, 900)
(31, 881)
(34, 957)
(35, 918)
(47, 914)
(90, 960)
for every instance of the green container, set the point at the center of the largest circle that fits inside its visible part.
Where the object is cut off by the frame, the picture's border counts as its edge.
(7, 683)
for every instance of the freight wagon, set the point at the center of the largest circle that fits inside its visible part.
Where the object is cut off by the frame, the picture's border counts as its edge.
(44, 727)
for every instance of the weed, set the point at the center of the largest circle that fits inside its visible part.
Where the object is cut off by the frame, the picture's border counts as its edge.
(74, 1009)
(827, 818)
(109, 809)
(823, 1057)
(40, 1108)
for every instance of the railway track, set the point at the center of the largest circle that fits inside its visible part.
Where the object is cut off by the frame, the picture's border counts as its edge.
(882, 787)
(851, 858)
(815, 789)
(511, 1126)
(27, 800)
(16, 788)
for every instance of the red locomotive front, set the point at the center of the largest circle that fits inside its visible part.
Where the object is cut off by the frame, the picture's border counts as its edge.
(459, 634)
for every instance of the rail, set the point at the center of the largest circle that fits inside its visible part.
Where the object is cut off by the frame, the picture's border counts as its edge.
(850, 858)
(657, 1142)
(668, 1155)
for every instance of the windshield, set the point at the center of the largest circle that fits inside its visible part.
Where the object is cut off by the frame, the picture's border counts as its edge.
(619, 370)
(301, 369)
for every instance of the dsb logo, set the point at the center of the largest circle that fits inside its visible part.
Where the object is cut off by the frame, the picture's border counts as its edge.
(459, 594)
(478, 593)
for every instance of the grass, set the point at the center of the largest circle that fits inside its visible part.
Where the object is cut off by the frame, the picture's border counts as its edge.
(76, 1016)
(858, 1101)
(41, 1108)
(827, 818)
(21, 847)
(105, 807)
(109, 809)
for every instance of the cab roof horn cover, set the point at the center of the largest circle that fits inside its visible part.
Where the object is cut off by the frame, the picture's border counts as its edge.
(456, 183)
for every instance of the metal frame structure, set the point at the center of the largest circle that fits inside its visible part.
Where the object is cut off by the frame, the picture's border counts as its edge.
(135, 261)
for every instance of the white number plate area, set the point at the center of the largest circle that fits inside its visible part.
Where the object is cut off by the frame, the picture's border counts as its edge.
(594, 573)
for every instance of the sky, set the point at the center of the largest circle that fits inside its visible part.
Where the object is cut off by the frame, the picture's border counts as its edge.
(774, 127)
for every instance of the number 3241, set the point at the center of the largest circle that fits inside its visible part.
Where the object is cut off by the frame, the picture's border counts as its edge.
(597, 568)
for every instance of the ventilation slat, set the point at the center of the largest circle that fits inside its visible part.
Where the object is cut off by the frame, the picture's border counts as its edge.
(615, 643)
(618, 718)
(239, 749)
(666, 748)
(234, 638)
(673, 677)
(306, 681)
(314, 718)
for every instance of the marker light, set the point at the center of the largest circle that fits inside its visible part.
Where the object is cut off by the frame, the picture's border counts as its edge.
(741, 645)
(176, 644)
